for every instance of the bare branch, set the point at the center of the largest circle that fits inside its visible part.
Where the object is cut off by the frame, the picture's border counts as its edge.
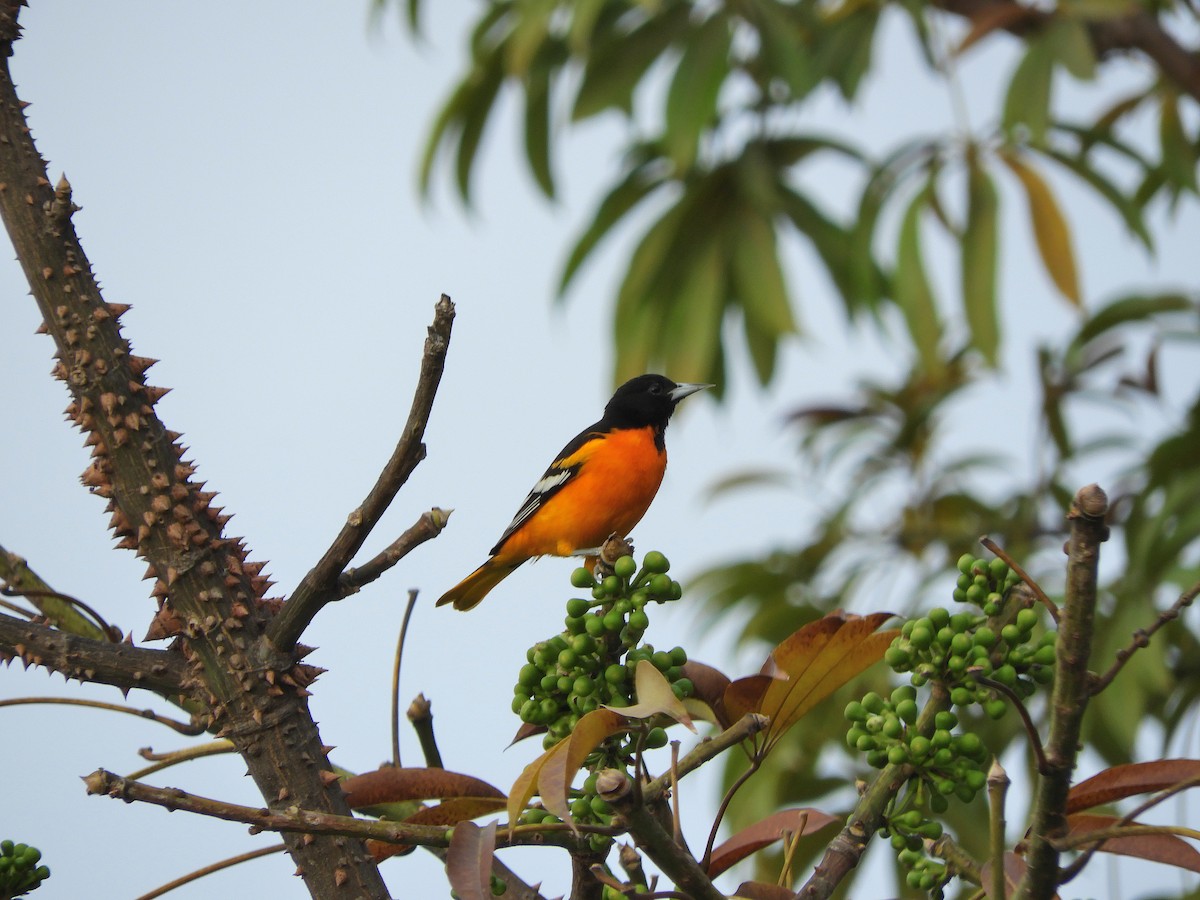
(163, 672)
(1141, 637)
(191, 729)
(320, 586)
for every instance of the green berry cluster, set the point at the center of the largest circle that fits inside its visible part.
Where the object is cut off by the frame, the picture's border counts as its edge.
(592, 663)
(996, 643)
(948, 762)
(19, 869)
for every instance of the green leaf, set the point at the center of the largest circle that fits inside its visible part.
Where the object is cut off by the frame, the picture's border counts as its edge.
(627, 194)
(979, 261)
(833, 244)
(842, 48)
(1028, 100)
(617, 66)
(528, 35)
(782, 37)
(1178, 150)
(1129, 211)
(912, 290)
(1072, 47)
(475, 113)
(537, 127)
(692, 97)
(758, 280)
(1050, 229)
(1124, 310)
(692, 339)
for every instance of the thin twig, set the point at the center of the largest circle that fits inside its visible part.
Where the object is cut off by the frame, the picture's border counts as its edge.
(320, 586)
(1141, 637)
(191, 729)
(420, 716)
(113, 635)
(19, 610)
(408, 610)
(1002, 555)
(162, 761)
(1035, 740)
(755, 762)
(210, 869)
(427, 527)
(747, 726)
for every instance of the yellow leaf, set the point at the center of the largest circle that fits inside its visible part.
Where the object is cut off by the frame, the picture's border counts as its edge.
(1050, 229)
(655, 697)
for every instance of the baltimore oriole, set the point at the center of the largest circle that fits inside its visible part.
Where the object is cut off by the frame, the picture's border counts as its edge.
(600, 484)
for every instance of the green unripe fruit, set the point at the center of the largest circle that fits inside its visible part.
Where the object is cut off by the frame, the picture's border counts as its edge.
(638, 620)
(995, 709)
(897, 754)
(939, 617)
(549, 683)
(907, 710)
(1011, 634)
(601, 807)
(661, 660)
(613, 621)
(676, 591)
(598, 593)
(902, 693)
(583, 686)
(582, 578)
(931, 830)
(498, 887)
(567, 658)
(593, 625)
(962, 621)
(938, 804)
(656, 562)
(853, 735)
(976, 594)
(945, 720)
(865, 743)
(660, 586)
(679, 656)
(961, 644)
(564, 683)
(577, 606)
(939, 739)
(623, 606)
(1026, 619)
(877, 759)
(1006, 675)
(893, 727)
(965, 562)
(959, 595)
(969, 744)
(616, 674)
(985, 637)
(942, 759)
(873, 703)
(580, 807)
(529, 676)
(921, 637)
(898, 842)
(583, 643)
(549, 708)
(991, 608)
(655, 738)
(686, 688)
(960, 696)
(919, 747)
(625, 567)
(897, 658)
(611, 586)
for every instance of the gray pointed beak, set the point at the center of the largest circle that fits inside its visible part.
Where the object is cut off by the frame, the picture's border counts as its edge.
(683, 390)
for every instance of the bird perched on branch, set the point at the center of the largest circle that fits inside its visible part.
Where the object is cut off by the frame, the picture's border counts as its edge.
(600, 484)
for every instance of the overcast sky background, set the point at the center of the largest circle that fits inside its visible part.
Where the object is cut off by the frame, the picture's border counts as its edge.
(247, 178)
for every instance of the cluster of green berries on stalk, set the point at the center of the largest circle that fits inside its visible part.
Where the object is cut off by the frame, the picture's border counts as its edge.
(948, 762)
(19, 869)
(997, 643)
(592, 663)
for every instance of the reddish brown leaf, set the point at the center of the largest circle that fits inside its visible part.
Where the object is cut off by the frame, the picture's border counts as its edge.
(818, 659)
(1163, 848)
(1000, 16)
(761, 890)
(709, 687)
(766, 832)
(456, 809)
(391, 785)
(555, 777)
(469, 860)
(745, 696)
(1014, 871)
(551, 773)
(1120, 782)
(381, 850)
(526, 730)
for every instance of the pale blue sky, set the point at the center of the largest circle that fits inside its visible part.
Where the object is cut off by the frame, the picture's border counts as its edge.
(247, 178)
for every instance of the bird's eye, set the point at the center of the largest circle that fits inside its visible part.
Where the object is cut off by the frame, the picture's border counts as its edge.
(655, 388)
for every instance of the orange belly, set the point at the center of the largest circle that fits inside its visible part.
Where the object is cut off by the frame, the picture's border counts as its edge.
(620, 476)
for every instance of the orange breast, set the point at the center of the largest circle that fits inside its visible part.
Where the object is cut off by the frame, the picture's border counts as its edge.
(619, 477)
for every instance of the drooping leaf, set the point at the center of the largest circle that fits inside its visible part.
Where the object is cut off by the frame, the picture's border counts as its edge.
(695, 87)
(766, 832)
(815, 661)
(758, 280)
(654, 697)
(1162, 848)
(1072, 47)
(1130, 780)
(537, 127)
(989, 19)
(618, 66)
(913, 292)
(1178, 149)
(979, 261)
(457, 809)
(1128, 209)
(842, 49)
(691, 341)
(1014, 871)
(1027, 103)
(762, 890)
(624, 196)
(1128, 309)
(469, 860)
(1053, 235)
(708, 690)
(530, 31)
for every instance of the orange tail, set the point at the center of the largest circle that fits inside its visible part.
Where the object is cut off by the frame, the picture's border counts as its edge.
(468, 592)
